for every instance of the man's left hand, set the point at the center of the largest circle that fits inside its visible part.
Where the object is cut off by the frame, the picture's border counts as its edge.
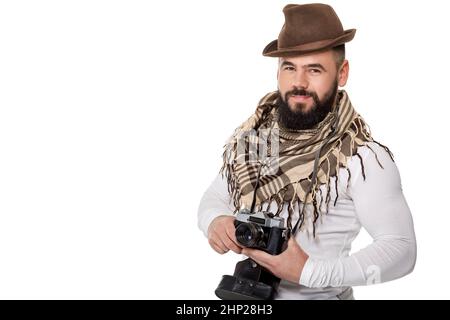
(288, 265)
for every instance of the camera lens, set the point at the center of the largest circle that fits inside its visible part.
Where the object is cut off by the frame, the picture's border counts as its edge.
(249, 234)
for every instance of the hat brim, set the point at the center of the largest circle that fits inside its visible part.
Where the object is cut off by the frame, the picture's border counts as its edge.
(271, 50)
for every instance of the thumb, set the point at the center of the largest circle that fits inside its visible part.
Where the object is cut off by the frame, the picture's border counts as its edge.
(292, 243)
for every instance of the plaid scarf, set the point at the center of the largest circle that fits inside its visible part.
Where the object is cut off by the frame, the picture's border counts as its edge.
(285, 174)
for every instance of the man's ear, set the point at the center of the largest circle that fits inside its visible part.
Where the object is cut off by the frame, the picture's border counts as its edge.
(343, 73)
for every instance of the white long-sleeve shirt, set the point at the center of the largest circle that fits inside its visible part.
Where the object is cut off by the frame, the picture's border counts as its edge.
(376, 203)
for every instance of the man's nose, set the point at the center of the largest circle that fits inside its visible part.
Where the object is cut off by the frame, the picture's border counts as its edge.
(300, 81)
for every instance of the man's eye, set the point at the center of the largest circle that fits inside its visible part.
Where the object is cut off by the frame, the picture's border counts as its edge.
(289, 68)
(315, 71)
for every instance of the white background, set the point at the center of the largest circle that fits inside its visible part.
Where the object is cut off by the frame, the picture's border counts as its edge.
(113, 115)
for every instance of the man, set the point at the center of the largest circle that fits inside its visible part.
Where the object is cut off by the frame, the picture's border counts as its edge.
(332, 177)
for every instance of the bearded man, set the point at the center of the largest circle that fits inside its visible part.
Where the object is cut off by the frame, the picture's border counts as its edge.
(331, 178)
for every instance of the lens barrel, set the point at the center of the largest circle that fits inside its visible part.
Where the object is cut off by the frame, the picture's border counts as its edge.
(249, 234)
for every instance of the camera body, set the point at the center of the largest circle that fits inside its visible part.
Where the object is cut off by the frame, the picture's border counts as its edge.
(260, 230)
(250, 281)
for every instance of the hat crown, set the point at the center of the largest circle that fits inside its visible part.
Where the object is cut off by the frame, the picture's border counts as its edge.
(308, 23)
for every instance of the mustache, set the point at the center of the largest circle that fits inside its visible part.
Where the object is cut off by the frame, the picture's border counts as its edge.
(301, 92)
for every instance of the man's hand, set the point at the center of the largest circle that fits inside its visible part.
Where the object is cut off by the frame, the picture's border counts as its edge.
(221, 235)
(288, 265)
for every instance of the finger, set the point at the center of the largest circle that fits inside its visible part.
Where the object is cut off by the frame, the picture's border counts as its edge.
(219, 242)
(216, 247)
(292, 242)
(231, 245)
(231, 232)
(231, 241)
(259, 256)
(261, 263)
(293, 246)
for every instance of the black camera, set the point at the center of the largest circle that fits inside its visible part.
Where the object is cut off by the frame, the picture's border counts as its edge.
(250, 281)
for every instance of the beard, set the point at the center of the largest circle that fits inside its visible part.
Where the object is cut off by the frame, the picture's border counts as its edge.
(300, 120)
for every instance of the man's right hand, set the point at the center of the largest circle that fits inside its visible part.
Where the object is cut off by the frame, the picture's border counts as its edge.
(221, 235)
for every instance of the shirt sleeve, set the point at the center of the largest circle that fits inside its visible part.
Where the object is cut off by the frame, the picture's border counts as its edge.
(215, 202)
(382, 210)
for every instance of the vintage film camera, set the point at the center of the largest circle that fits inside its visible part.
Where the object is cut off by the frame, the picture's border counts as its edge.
(250, 281)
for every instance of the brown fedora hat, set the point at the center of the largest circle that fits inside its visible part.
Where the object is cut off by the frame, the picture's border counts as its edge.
(308, 28)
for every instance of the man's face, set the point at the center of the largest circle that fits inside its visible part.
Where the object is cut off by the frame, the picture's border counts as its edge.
(308, 85)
